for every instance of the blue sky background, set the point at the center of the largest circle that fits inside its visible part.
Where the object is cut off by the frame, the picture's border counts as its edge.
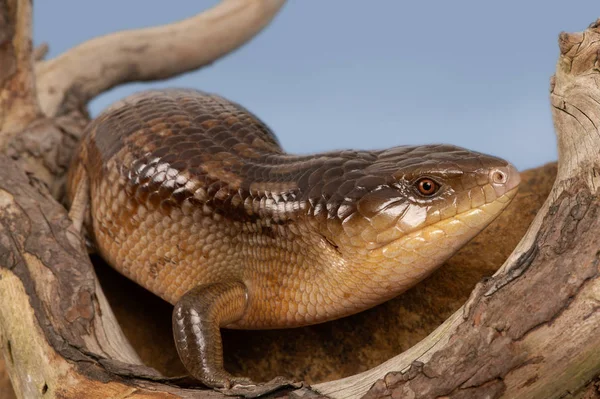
(334, 74)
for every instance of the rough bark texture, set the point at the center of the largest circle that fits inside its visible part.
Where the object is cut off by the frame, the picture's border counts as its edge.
(532, 330)
(18, 104)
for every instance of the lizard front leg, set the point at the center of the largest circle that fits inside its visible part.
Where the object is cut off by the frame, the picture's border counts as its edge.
(197, 318)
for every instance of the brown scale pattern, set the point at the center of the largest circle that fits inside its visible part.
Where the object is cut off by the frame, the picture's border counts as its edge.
(188, 189)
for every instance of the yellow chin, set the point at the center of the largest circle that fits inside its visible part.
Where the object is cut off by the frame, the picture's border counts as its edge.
(422, 251)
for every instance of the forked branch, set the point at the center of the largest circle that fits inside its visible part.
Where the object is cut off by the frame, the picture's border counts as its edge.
(150, 54)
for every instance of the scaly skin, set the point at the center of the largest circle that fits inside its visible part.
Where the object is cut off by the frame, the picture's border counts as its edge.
(192, 197)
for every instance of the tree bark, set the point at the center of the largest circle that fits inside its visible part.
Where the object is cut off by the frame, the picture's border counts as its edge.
(532, 330)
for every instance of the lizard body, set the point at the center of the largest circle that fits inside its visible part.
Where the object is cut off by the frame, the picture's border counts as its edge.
(192, 197)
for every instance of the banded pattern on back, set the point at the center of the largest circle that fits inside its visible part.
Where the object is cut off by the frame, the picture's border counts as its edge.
(188, 188)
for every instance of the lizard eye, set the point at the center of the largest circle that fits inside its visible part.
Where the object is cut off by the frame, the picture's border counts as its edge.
(427, 186)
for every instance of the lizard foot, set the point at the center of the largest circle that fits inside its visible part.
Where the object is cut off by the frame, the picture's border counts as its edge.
(222, 380)
(254, 390)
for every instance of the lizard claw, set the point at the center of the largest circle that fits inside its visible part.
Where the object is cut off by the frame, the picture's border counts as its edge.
(241, 381)
(248, 389)
(222, 380)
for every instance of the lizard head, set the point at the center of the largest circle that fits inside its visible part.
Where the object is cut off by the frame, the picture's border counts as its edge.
(414, 207)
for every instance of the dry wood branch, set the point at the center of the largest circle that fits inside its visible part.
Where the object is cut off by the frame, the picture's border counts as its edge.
(39, 251)
(40, 52)
(18, 103)
(150, 54)
(42, 146)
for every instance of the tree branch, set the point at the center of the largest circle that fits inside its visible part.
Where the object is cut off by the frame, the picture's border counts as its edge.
(150, 54)
(18, 103)
(40, 52)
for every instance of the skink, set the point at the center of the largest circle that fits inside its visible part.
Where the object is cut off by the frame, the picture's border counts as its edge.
(192, 197)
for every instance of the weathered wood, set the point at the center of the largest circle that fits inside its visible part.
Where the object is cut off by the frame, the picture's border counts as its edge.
(18, 103)
(155, 53)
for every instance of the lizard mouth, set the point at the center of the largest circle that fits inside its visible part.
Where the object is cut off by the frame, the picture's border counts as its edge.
(436, 242)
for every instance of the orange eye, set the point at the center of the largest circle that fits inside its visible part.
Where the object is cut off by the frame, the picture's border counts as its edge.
(427, 187)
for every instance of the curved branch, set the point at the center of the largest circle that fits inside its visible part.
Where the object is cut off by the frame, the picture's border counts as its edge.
(150, 54)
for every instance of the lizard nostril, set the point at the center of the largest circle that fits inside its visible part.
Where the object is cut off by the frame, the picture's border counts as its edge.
(499, 177)
(504, 179)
